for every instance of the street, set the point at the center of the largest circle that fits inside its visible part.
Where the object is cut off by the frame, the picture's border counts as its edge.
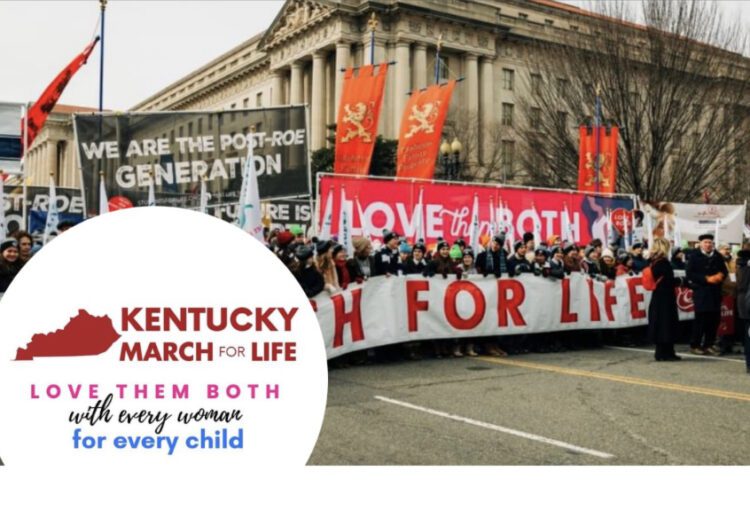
(608, 406)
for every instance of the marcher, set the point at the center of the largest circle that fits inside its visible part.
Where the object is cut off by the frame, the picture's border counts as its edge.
(9, 263)
(362, 265)
(663, 319)
(306, 273)
(517, 262)
(339, 261)
(678, 258)
(493, 261)
(324, 261)
(706, 272)
(387, 258)
(743, 299)
(25, 246)
(607, 265)
(639, 262)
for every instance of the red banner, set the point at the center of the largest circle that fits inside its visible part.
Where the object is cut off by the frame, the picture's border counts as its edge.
(421, 131)
(39, 111)
(587, 175)
(379, 204)
(357, 124)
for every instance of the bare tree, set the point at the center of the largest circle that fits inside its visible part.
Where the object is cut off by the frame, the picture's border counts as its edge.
(671, 75)
(482, 156)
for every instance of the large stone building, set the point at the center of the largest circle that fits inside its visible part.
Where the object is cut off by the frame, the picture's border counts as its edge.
(299, 59)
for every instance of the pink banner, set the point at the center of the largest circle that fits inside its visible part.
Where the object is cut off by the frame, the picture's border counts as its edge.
(445, 209)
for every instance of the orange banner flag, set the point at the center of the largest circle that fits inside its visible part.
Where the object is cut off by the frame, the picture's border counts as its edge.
(357, 123)
(421, 131)
(587, 176)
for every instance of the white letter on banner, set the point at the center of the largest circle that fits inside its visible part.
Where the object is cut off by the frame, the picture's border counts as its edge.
(375, 207)
(408, 225)
(124, 177)
(434, 220)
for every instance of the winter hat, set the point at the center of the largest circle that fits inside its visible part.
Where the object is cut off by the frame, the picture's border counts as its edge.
(706, 236)
(499, 240)
(623, 258)
(388, 235)
(460, 242)
(596, 243)
(296, 230)
(469, 252)
(336, 249)
(569, 248)
(442, 244)
(322, 247)
(360, 243)
(303, 252)
(527, 236)
(419, 245)
(517, 245)
(555, 250)
(8, 243)
(284, 238)
(404, 247)
(541, 251)
(589, 250)
(608, 253)
(637, 245)
(456, 252)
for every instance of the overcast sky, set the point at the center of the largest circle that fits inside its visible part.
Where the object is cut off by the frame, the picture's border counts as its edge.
(149, 45)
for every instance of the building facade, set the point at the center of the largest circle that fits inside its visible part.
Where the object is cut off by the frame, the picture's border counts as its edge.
(300, 58)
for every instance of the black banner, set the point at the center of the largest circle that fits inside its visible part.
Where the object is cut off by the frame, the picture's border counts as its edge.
(69, 206)
(178, 149)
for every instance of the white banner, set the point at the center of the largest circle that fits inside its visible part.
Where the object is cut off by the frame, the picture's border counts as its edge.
(388, 310)
(692, 220)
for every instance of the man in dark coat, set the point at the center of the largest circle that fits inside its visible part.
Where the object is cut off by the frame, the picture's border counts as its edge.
(639, 262)
(493, 260)
(387, 259)
(743, 298)
(706, 271)
(517, 262)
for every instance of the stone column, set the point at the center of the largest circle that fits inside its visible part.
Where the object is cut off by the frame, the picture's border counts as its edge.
(296, 83)
(486, 107)
(403, 76)
(420, 66)
(343, 55)
(318, 101)
(471, 95)
(277, 88)
(52, 159)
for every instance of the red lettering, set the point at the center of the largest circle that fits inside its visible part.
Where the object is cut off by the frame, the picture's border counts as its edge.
(567, 316)
(353, 318)
(636, 298)
(314, 305)
(610, 300)
(234, 319)
(508, 305)
(593, 303)
(451, 299)
(413, 303)
(152, 319)
(128, 319)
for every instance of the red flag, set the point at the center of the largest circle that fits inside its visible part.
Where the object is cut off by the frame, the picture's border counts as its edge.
(357, 124)
(421, 130)
(39, 111)
(607, 159)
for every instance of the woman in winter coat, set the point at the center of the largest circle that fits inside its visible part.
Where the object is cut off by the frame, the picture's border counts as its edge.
(9, 263)
(663, 320)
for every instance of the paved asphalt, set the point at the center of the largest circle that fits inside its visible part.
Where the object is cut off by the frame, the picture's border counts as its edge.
(608, 406)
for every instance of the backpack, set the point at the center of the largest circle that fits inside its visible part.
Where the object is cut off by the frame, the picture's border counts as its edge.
(648, 279)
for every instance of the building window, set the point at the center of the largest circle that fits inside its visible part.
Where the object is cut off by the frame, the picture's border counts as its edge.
(190, 129)
(246, 103)
(508, 79)
(179, 131)
(536, 84)
(536, 118)
(210, 122)
(200, 126)
(259, 99)
(508, 154)
(507, 118)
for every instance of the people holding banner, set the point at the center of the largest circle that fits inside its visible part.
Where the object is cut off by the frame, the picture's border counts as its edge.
(706, 271)
(417, 263)
(362, 265)
(663, 319)
(639, 261)
(493, 261)
(339, 261)
(387, 259)
(326, 266)
(25, 246)
(517, 262)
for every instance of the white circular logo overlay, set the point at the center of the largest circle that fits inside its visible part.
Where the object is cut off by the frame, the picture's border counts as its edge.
(156, 344)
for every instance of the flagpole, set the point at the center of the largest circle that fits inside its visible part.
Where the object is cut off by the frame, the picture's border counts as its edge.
(372, 25)
(597, 125)
(437, 59)
(24, 214)
(103, 4)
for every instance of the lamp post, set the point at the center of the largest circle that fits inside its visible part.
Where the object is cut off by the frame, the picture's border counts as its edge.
(445, 157)
(456, 149)
(450, 157)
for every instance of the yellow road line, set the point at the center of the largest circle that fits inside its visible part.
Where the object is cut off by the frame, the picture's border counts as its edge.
(745, 397)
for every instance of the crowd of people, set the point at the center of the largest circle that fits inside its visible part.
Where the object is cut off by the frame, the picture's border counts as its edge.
(322, 265)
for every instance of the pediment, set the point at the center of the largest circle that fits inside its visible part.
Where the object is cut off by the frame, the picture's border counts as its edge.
(294, 17)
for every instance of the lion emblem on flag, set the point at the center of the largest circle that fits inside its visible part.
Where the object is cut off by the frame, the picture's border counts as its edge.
(425, 117)
(355, 118)
(604, 167)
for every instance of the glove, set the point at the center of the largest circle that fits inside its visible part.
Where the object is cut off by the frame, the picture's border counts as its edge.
(359, 279)
(715, 278)
(537, 271)
(518, 270)
(601, 278)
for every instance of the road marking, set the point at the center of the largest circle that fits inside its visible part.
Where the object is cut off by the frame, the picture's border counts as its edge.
(698, 390)
(685, 354)
(497, 428)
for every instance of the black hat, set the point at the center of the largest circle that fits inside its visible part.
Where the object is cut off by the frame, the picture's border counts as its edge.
(499, 239)
(622, 258)
(419, 245)
(527, 236)
(589, 250)
(336, 248)
(442, 244)
(460, 242)
(706, 236)
(568, 248)
(303, 252)
(8, 243)
(541, 251)
(637, 245)
(596, 243)
(517, 245)
(555, 250)
(468, 251)
(323, 246)
(388, 235)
